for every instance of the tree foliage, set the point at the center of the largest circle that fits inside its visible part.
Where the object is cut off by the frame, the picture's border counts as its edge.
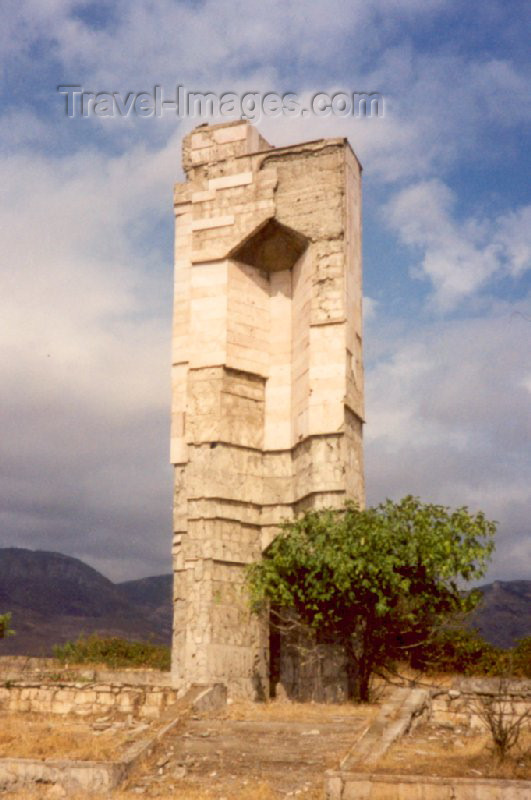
(377, 580)
(466, 652)
(5, 625)
(113, 652)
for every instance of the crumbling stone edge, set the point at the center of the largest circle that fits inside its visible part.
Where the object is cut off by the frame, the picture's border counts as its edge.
(366, 786)
(103, 776)
(404, 709)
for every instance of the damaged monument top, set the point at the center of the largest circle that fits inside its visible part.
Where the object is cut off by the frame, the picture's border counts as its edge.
(267, 376)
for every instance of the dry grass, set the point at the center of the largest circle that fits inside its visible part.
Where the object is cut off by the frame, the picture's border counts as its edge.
(406, 675)
(429, 751)
(35, 736)
(296, 712)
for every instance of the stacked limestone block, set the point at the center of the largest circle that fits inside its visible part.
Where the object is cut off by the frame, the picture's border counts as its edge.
(267, 403)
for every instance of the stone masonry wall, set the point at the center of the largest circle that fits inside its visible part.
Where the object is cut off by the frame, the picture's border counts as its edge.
(45, 686)
(86, 699)
(458, 706)
(267, 376)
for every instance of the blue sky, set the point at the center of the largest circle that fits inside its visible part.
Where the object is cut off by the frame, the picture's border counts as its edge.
(86, 224)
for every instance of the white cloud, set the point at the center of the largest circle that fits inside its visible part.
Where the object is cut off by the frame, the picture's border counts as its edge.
(439, 104)
(370, 306)
(85, 301)
(459, 257)
(513, 238)
(224, 38)
(448, 419)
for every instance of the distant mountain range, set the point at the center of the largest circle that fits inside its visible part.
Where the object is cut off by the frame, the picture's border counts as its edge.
(504, 613)
(54, 598)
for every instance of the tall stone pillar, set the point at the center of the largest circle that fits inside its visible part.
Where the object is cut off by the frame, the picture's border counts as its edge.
(267, 376)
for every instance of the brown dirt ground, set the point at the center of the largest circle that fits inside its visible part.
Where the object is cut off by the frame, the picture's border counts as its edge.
(263, 751)
(246, 752)
(281, 750)
(435, 750)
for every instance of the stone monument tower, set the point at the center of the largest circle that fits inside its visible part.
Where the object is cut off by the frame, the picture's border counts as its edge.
(267, 387)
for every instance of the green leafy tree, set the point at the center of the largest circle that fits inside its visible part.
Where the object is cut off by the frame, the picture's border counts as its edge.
(458, 650)
(5, 626)
(377, 580)
(521, 657)
(114, 652)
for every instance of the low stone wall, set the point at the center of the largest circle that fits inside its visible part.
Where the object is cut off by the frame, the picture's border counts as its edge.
(43, 670)
(86, 699)
(46, 686)
(458, 706)
(357, 786)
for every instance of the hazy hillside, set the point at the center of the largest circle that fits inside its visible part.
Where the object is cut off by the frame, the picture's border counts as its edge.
(54, 598)
(154, 596)
(149, 592)
(504, 613)
(52, 583)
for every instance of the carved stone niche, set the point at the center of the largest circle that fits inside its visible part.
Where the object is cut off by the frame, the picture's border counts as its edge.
(272, 247)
